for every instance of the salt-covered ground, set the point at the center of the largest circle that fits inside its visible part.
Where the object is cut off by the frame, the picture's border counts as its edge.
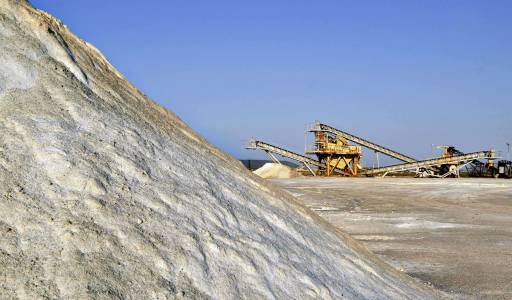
(277, 171)
(106, 195)
(455, 234)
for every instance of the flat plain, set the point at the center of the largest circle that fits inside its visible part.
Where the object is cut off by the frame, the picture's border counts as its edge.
(455, 234)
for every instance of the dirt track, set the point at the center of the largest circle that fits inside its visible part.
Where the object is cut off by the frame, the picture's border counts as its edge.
(454, 233)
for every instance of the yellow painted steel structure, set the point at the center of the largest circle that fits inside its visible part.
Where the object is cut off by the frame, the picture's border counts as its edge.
(336, 154)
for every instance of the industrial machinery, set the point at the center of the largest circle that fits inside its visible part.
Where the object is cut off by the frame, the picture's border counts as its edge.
(335, 155)
(334, 152)
(272, 149)
(474, 168)
(459, 160)
(365, 143)
(451, 168)
(441, 167)
(504, 169)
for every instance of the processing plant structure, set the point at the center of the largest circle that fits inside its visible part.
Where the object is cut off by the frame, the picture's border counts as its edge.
(335, 153)
(336, 156)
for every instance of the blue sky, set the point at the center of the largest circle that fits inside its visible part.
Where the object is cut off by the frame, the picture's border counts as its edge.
(406, 74)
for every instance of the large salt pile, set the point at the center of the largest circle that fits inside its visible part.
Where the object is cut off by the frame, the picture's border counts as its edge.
(273, 170)
(105, 194)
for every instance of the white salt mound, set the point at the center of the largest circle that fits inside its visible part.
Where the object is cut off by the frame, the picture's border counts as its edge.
(273, 170)
(106, 195)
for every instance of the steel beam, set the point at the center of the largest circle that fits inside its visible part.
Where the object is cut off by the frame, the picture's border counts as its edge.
(431, 163)
(323, 127)
(255, 144)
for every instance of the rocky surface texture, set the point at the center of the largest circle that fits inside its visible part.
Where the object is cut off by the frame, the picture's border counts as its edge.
(106, 195)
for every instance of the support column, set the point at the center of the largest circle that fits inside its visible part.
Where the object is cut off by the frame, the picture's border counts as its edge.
(328, 166)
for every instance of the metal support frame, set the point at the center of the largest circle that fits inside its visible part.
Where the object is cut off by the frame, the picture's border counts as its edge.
(365, 143)
(336, 166)
(418, 165)
(309, 168)
(328, 166)
(466, 158)
(348, 166)
(255, 144)
(456, 171)
(273, 157)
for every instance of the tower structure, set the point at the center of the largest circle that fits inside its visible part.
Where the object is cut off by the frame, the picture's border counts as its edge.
(335, 153)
